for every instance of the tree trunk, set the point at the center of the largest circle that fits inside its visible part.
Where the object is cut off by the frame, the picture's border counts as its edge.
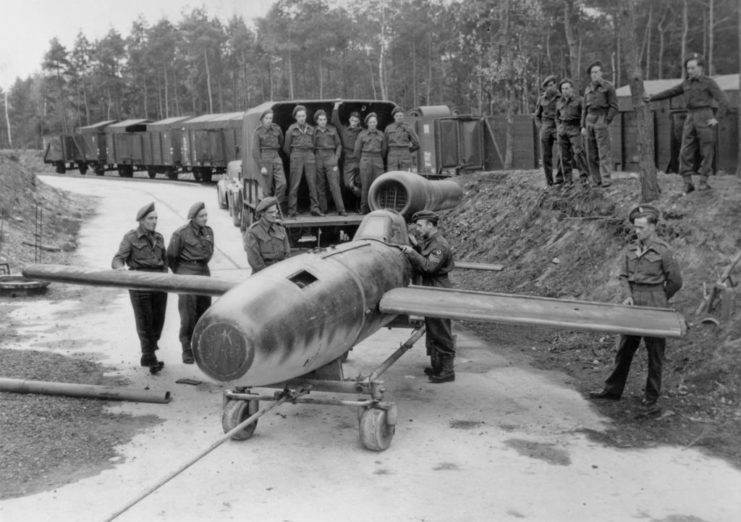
(321, 79)
(711, 37)
(509, 139)
(167, 90)
(290, 75)
(429, 70)
(649, 184)
(7, 122)
(662, 29)
(685, 31)
(414, 74)
(568, 13)
(382, 56)
(738, 108)
(647, 41)
(619, 54)
(208, 83)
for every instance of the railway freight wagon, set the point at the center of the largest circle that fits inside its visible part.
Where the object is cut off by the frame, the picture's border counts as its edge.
(93, 139)
(163, 147)
(210, 142)
(65, 152)
(125, 146)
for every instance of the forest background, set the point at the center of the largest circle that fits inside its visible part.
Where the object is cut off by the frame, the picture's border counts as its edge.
(479, 57)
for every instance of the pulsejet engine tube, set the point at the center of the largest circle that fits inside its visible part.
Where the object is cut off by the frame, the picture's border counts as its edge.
(407, 193)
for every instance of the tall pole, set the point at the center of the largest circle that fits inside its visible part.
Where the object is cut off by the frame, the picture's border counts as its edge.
(7, 121)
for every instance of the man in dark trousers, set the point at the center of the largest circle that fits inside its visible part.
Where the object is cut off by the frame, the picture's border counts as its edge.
(328, 150)
(350, 162)
(600, 107)
(570, 140)
(267, 142)
(401, 141)
(545, 120)
(699, 127)
(299, 147)
(190, 249)
(266, 242)
(370, 148)
(143, 249)
(432, 260)
(651, 277)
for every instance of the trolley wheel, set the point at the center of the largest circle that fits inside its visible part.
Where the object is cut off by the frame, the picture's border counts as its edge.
(61, 168)
(152, 173)
(235, 412)
(375, 431)
(99, 170)
(82, 167)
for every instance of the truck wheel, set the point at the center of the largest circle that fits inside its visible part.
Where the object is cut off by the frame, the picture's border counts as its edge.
(82, 167)
(99, 170)
(151, 172)
(197, 174)
(171, 173)
(61, 169)
(206, 175)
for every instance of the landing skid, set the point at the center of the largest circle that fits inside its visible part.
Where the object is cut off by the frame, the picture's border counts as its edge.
(377, 418)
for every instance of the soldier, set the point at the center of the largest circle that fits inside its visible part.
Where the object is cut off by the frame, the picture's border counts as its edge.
(190, 249)
(328, 148)
(600, 107)
(266, 241)
(432, 259)
(299, 146)
(401, 141)
(545, 120)
(267, 142)
(350, 168)
(699, 126)
(568, 119)
(651, 277)
(370, 147)
(143, 249)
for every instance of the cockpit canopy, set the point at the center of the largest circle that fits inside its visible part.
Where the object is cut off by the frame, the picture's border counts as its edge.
(384, 225)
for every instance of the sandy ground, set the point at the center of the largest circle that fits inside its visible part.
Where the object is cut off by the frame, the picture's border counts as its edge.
(504, 442)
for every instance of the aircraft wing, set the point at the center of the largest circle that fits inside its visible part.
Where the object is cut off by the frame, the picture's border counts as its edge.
(532, 310)
(132, 279)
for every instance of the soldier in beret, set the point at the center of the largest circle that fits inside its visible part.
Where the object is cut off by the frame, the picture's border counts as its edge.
(328, 148)
(266, 241)
(651, 277)
(568, 124)
(267, 142)
(401, 141)
(350, 162)
(432, 260)
(299, 146)
(370, 148)
(600, 107)
(143, 249)
(190, 249)
(545, 120)
(699, 130)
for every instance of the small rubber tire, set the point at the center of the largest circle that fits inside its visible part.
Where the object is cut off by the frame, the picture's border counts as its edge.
(235, 412)
(375, 432)
(152, 173)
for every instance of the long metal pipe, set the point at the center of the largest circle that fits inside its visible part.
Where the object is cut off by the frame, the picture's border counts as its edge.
(90, 391)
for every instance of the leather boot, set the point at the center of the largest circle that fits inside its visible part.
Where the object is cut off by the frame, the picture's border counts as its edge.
(187, 356)
(703, 185)
(149, 360)
(434, 367)
(446, 373)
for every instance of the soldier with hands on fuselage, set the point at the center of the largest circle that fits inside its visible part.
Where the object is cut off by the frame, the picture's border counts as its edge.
(370, 148)
(143, 249)
(299, 146)
(545, 120)
(432, 259)
(570, 140)
(328, 148)
(700, 125)
(267, 143)
(600, 107)
(191, 248)
(266, 241)
(401, 141)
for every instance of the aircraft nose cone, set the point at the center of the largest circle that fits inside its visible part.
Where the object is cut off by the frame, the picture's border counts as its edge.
(222, 350)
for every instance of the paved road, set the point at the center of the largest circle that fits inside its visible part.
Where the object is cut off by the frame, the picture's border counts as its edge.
(503, 442)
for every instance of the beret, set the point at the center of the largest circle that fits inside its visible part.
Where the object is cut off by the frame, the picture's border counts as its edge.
(643, 211)
(565, 80)
(354, 114)
(144, 211)
(296, 109)
(550, 78)
(596, 62)
(265, 112)
(266, 203)
(695, 56)
(397, 109)
(195, 208)
(318, 113)
(427, 215)
(369, 116)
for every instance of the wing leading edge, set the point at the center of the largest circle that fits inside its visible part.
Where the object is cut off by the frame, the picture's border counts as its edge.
(533, 310)
(134, 280)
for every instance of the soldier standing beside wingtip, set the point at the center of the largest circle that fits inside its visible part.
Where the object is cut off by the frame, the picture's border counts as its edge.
(266, 241)
(600, 107)
(143, 249)
(699, 127)
(570, 140)
(652, 277)
(432, 259)
(190, 249)
(401, 141)
(545, 120)
(267, 142)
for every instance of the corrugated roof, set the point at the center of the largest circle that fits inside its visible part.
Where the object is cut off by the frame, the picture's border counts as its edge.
(727, 82)
(97, 125)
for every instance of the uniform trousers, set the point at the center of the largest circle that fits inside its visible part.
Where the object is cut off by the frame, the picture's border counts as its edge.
(273, 182)
(696, 133)
(399, 158)
(149, 314)
(599, 150)
(371, 166)
(328, 175)
(190, 306)
(302, 161)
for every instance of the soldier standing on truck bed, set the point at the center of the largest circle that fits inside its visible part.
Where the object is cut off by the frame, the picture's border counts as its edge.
(299, 146)
(401, 141)
(350, 165)
(328, 150)
(699, 127)
(370, 147)
(267, 142)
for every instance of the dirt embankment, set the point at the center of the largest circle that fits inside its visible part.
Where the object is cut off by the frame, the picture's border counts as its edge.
(567, 244)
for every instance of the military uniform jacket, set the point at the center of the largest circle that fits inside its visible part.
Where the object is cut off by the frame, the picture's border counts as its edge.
(266, 138)
(546, 109)
(653, 265)
(190, 244)
(568, 111)
(600, 98)
(370, 142)
(266, 244)
(432, 260)
(401, 135)
(349, 136)
(141, 250)
(698, 94)
(327, 139)
(299, 138)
